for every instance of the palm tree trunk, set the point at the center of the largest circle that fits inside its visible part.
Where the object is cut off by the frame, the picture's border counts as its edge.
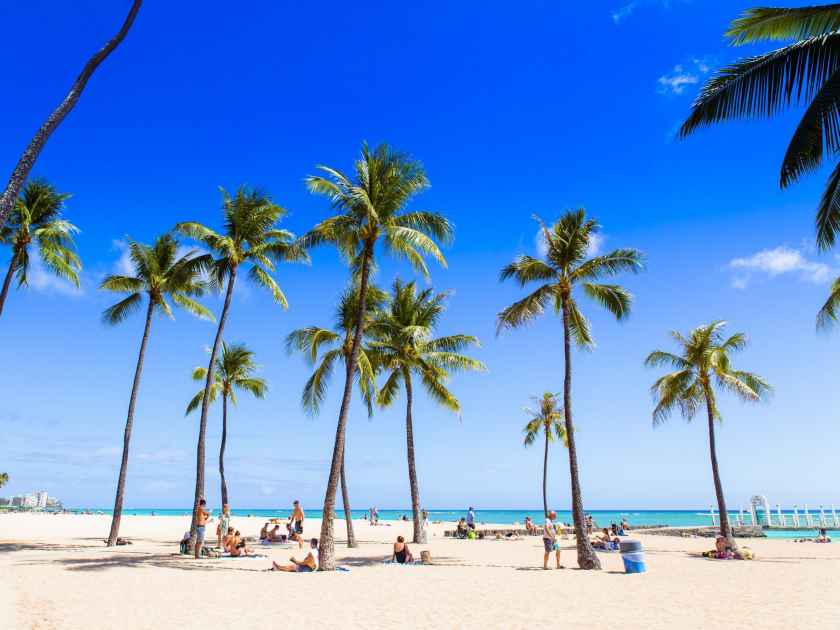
(27, 159)
(587, 559)
(545, 474)
(326, 547)
(348, 513)
(8, 280)
(419, 532)
(129, 422)
(222, 451)
(205, 405)
(725, 529)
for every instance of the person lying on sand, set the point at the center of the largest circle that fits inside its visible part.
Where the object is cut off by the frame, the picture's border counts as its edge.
(306, 565)
(823, 537)
(401, 552)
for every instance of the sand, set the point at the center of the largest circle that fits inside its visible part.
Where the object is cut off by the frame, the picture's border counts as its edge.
(56, 573)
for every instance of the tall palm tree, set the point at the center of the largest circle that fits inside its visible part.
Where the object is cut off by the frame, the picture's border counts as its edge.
(371, 210)
(33, 150)
(37, 219)
(704, 361)
(234, 371)
(547, 419)
(567, 265)
(251, 240)
(4, 479)
(403, 345)
(311, 340)
(805, 71)
(160, 274)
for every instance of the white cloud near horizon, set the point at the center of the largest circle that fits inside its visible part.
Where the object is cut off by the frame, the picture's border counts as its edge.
(776, 262)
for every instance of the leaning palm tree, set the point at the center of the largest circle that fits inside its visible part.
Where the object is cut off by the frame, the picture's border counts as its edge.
(566, 266)
(805, 71)
(159, 273)
(37, 220)
(547, 419)
(234, 371)
(251, 240)
(371, 210)
(403, 345)
(704, 361)
(311, 340)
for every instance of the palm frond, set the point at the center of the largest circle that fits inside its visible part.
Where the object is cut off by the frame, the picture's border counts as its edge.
(828, 313)
(526, 309)
(612, 297)
(115, 314)
(767, 23)
(580, 327)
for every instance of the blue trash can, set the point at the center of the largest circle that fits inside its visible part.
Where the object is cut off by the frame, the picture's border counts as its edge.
(633, 556)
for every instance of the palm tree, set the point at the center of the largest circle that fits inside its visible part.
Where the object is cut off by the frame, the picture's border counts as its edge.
(37, 218)
(403, 345)
(309, 341)
(371, 210)
(548, 419)
(704, 360)
(159, 273)
(251, 240)
(567, 265)
(234, 371)
(31, 153)
(4, 479)
(803, 72)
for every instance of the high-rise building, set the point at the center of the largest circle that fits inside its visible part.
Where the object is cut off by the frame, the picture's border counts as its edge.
(41, 499)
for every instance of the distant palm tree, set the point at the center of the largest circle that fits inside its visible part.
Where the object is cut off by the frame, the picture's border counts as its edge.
(567, 265)
(804, 72)
(33, 150)
(547, 419)
(159, 273)
(251, 240)
(36, 219)
(4, 479)
(371, 210)
(403, 345)
(704, 360)
(828, 313)
(309, 341)
(234, 371)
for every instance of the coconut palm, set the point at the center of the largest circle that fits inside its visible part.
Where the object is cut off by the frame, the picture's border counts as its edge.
(37, 220)
(371, 211)
(704, 361)
(33, 150)
(828, 313)
(251, 240)
(160, 274)
(547, 419)
(311, 340)
(566, 266)
(234, 371)
(4, 479)
(806, 71)
(403, 345)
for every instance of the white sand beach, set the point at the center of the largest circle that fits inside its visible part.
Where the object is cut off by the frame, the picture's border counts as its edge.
(55, 573)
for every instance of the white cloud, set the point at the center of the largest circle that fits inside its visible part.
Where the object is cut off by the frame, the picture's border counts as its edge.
(42, 279)
(682, 75)
(776, 262)
(622, 13)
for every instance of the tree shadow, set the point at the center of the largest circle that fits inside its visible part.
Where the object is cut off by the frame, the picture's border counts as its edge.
(161, 560)
(41, 546)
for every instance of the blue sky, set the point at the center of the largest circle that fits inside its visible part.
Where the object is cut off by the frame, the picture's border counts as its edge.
(513, 111)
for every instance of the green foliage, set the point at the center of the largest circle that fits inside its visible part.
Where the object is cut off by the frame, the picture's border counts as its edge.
(37, 219)
(548, 418)
(765, 23)
(4, 479)
(160, 273)
(567, 265)
(704, 360)
(234, 372)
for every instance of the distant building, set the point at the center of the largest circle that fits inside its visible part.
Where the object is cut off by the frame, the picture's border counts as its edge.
(41, 499)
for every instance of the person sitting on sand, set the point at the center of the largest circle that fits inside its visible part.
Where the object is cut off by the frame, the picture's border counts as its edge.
(461, 530)
(401, 552)
(264, 531)
(274, 535)
(625, 525)
(238, 548)
(306, 565)
(293, 535)
(529, 525)
(823, 537)
(228, 540)
(604, 540)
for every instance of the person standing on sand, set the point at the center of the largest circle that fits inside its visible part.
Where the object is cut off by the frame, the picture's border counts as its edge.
(471, 518)
(202, 517)
(297, 517)
(224, 523)
(550, 541)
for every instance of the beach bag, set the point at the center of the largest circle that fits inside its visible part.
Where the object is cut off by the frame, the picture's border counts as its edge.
(425, 557)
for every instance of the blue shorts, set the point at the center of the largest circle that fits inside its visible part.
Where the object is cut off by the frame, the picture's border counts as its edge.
(304, 568)
(199, 534)
(550, 545)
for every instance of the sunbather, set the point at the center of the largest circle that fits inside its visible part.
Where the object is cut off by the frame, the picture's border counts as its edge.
(228, 540)
(823, 537)
(605, 541)
(238, 547)
(461, 530)
(401, 552)
(264, 531)
(307, 565)
(529, 525)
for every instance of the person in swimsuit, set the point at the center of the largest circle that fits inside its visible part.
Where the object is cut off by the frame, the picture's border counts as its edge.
(202, 517)
(297, 517)
(238, 547)
(224, 524)
(401, 552)
(550, 541)
(228, 540)
(307, 565)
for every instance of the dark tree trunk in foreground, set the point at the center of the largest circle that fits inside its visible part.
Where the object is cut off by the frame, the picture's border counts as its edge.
(545, 474)
(587, 559)
(326, 548)
(30, 154)
(222, 452)
(419, 532)
(725, 530)
(348, 514)
(205, 406)
(8, 280)
(129, 423)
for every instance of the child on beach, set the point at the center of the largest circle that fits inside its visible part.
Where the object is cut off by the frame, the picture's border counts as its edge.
(550, 541)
